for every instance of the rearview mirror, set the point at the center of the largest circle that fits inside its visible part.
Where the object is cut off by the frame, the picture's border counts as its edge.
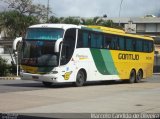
(57, 45)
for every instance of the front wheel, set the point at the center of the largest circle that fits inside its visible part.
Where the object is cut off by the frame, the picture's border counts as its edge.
(80, 79)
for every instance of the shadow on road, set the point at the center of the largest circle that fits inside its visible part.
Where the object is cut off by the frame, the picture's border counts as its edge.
(67, 85)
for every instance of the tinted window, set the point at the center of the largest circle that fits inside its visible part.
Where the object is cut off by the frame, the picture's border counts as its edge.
(145, 46)
(107, 41)
(150, 46)
(68, 46)
(129, 45)
(121, 43)
(96, 40)
(114, 43)
(139, 44)
(83, 39)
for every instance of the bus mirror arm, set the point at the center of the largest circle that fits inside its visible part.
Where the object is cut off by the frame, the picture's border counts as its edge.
(15, 42)
(57, 45)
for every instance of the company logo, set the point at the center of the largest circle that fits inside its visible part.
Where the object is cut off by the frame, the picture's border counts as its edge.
(122, 56)
(67, 75)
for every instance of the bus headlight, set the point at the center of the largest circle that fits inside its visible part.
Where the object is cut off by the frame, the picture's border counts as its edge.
(54, 72)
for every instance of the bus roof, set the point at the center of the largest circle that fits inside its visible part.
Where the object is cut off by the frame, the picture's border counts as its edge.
(93, 28)
(63, 26)
(117, 32)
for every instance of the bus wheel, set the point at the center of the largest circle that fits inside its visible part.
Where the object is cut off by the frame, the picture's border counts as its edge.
(139, 76)
(47, 84)
(132, 77)
(80, 79)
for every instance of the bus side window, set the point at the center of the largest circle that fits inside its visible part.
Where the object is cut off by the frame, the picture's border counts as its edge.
(96, 40)
(133, 45)
(93, 40)
(68, 46)
(114, 43)
(99, 42)
(80, 39)
(121, 43)
(107, 42)
(129, 45)
(150, 46)
(83, 39)
(145, 46)
(139, 45)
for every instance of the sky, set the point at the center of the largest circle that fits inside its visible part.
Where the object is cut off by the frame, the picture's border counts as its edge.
(92, 8)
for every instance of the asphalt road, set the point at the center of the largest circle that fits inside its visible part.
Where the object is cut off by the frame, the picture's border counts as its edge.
(21, 85)
(17, 96)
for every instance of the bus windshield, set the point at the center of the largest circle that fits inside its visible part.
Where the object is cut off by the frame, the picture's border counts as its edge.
(39, 53)
(39, 47)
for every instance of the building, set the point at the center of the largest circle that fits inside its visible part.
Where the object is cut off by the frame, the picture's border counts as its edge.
(6, 49)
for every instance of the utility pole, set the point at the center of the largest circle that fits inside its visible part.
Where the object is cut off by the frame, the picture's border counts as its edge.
(120, 7)
(48, 11)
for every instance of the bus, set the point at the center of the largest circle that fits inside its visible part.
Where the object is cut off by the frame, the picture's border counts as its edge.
(61, 53)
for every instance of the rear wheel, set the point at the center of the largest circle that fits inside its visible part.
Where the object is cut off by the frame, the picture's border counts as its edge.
(132, 77)
(47, 84)
(139, 76)
(80, 79)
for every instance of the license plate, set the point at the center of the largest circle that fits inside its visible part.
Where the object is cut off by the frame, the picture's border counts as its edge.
(35, 77)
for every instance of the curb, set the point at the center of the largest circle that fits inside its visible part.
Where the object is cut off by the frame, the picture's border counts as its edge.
(10, 78)
(156, 73)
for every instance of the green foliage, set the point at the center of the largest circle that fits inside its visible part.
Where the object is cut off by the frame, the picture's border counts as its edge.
(90, 21)
(22, 14)
(67, 20)
(54, 20)
(3, 67)
(6, 69)
(71, 20)
(15, 23)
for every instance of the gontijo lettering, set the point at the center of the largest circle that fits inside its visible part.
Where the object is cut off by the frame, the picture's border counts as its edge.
(128, 56)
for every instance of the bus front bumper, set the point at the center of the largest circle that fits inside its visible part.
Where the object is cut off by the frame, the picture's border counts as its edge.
(39, 77)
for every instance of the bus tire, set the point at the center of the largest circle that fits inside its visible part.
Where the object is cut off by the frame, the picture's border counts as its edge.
(132, 76)
(139, 76)
(47, 84)
(80, 78)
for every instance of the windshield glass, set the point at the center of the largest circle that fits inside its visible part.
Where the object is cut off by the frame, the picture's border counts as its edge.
(39, 45)
(40, 54)
(44, 34)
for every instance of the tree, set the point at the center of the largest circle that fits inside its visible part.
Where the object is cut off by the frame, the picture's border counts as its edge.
(54, 19)
(15, 23)
(26, 7)
(67, 20)
(90, 21)
(4, 67)
(22, 14)
(71, 20)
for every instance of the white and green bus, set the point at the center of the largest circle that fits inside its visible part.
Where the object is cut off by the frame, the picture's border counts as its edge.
(58, 53)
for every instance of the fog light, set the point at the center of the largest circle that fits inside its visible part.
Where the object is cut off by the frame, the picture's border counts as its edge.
(54, 78)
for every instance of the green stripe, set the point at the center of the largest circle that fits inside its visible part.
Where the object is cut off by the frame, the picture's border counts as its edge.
(104, 62)
(99, 62)
(108, 60)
